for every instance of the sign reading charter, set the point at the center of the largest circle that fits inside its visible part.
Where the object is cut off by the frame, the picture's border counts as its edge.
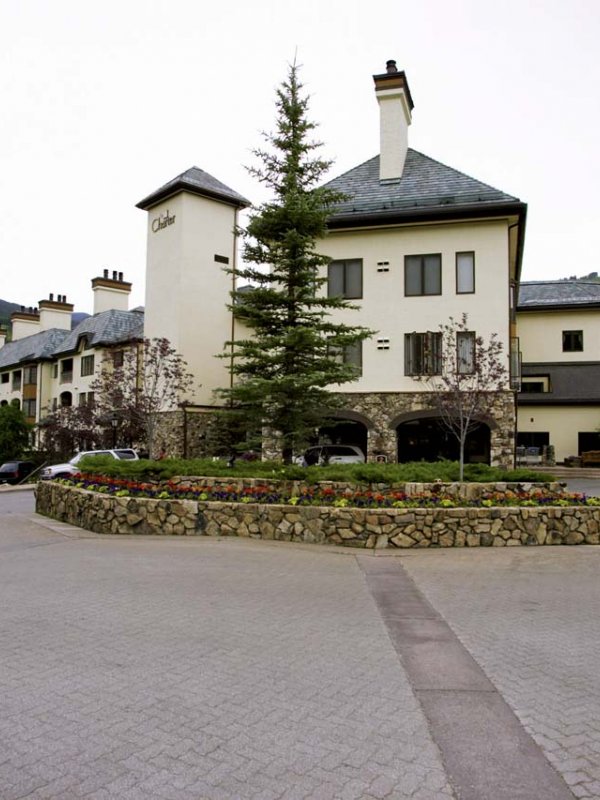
(162, 221)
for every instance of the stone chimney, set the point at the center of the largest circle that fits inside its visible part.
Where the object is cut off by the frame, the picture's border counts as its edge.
(395, 108)
(111, 291)
(24, 322)
(55, 313)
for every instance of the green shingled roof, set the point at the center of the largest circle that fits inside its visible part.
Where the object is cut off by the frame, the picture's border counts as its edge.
(426, 185)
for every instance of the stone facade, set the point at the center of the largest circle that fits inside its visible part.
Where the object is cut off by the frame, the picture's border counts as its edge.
(183, 433)
(381, 412)
(351, 527)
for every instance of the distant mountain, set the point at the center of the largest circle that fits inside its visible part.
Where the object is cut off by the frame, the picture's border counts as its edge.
(6, 309)
(591, 278)
(77, 317)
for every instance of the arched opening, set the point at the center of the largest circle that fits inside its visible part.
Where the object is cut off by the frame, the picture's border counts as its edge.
(344, 430)
(426, 438)
(65, 399)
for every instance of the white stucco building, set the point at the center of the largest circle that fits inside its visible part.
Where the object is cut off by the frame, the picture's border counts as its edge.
(416, 243)
(50, 363)
(559, 334)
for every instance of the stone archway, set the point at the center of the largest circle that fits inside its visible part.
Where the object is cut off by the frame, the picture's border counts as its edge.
(347, 427)
(422, 436)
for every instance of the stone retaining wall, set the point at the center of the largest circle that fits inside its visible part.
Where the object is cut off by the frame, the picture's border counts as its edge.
(459, 491)
(353, 527)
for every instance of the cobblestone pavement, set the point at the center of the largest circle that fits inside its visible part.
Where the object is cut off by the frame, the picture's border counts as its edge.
(531, 618)
(198, 670)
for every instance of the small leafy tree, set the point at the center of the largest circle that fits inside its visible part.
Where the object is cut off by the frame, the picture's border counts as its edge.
(295, 352)
(472, 370)
(68, 429)
(152, 378)
(14, 432)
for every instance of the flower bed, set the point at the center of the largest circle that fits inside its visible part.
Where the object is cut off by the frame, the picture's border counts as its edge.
(385, 519)
(338, 495)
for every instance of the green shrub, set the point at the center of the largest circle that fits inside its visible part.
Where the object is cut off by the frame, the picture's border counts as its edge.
(419, 472)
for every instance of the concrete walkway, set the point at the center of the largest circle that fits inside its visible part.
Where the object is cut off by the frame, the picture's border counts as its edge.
(202, 669)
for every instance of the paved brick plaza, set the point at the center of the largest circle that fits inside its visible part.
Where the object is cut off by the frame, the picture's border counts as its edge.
(191, 669)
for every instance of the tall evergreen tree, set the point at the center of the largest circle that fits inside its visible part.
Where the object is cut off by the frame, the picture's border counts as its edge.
(295, 352)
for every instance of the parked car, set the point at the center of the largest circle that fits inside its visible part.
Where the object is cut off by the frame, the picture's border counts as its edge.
(332, 454)
(15, 471)
(71, 468)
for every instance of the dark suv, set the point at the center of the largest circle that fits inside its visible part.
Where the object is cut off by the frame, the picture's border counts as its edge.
(15, 471)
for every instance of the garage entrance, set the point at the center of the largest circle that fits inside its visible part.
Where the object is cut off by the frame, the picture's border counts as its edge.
(427, 439)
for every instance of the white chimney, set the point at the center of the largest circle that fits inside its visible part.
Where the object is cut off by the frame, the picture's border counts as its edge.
(3, 334)
(111, 292)
(395, 107)
(55, 313)
(24, 323)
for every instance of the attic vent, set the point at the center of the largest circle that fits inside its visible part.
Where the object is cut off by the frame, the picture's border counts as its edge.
(221, 259)
(383, 266)
(383, 344)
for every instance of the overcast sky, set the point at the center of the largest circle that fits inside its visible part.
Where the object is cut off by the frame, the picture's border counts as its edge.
(102, 103)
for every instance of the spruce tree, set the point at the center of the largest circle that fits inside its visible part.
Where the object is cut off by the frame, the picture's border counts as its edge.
(286, 371)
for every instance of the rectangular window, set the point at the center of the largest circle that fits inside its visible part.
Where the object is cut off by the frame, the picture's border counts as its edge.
(465, 352)
(572, 341)
(5, 377)
(118, 358)
(16, 381)
(344, 279)
(55, 371)
(465, 273)
(422, 353)
(30, 376)
(29, 408)
(66, 370)
(423, 275)
(87, 365)
(351, 354)
(540, 384)
(54, 403)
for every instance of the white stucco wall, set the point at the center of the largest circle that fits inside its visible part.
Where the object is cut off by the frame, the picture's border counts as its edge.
(540, 335)
(563, 423)
(187, 291)
(385, 309)
(107, 298)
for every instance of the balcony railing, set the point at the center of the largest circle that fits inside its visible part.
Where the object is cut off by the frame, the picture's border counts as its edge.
(66, 377)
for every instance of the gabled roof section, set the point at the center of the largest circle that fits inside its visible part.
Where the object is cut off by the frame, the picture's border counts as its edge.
(105, 329)
(195, 181)
(37, 347)
(425, 188)
(542, 295)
